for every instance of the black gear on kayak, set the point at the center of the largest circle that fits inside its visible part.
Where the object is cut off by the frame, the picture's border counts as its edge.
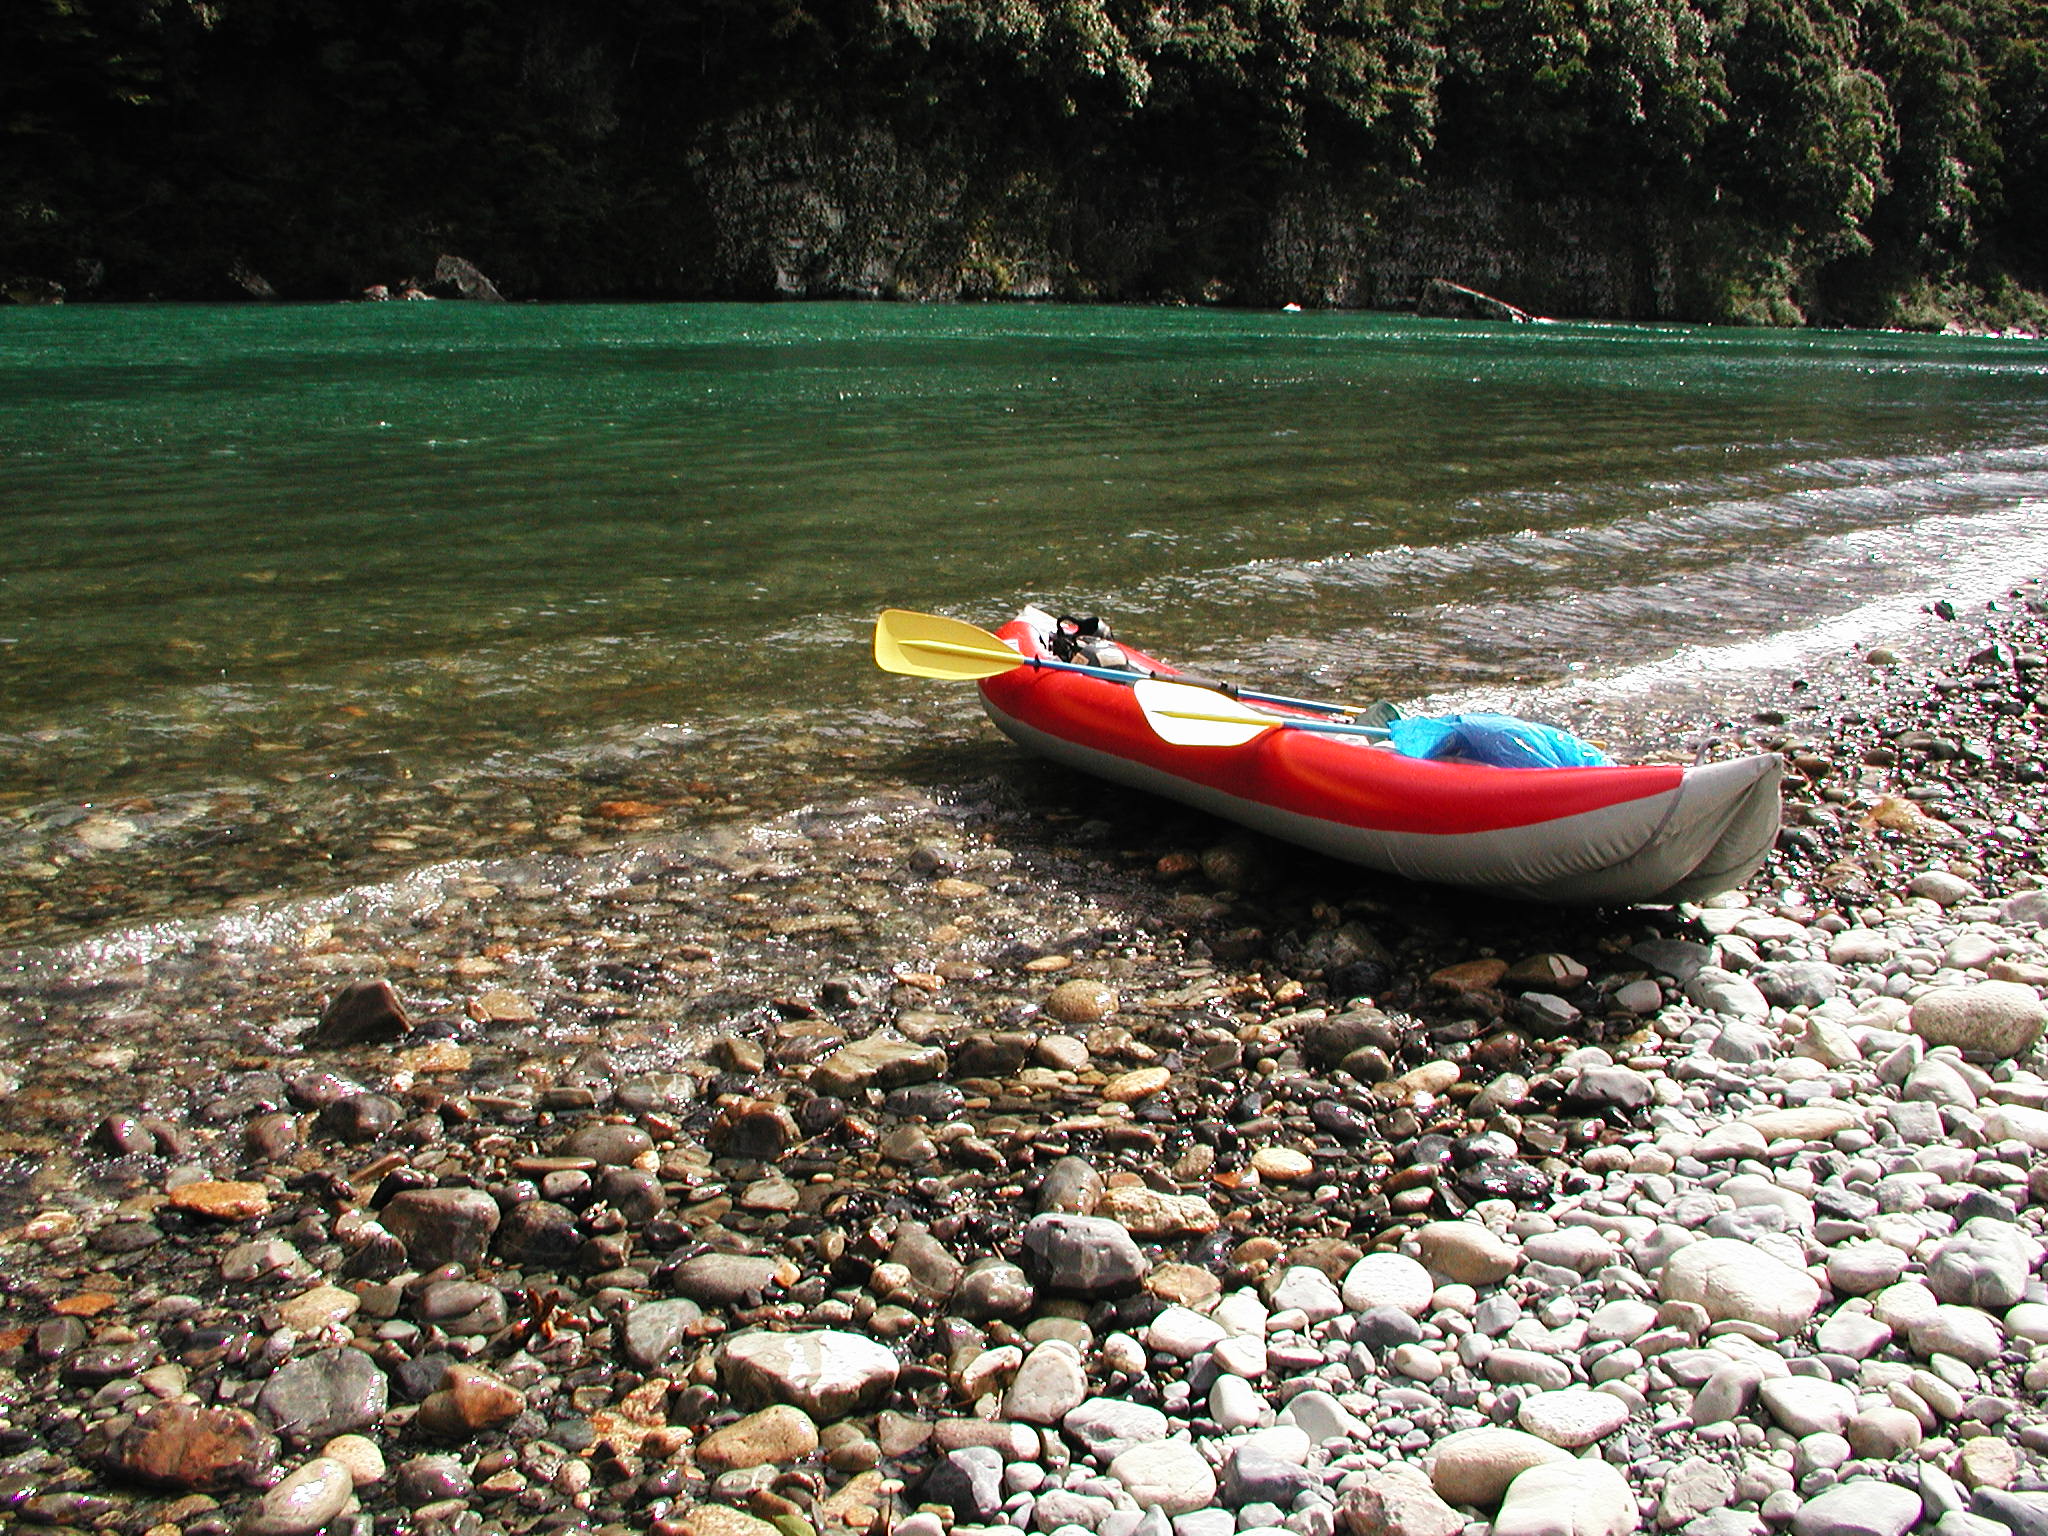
(1076, 636)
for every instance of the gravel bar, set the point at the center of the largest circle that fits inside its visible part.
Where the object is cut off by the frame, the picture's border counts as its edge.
(1032, 1157)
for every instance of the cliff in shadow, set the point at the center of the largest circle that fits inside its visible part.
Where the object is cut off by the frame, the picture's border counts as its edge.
(1773, 161)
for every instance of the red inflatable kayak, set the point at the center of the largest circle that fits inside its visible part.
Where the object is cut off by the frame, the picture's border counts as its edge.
(1654, 833)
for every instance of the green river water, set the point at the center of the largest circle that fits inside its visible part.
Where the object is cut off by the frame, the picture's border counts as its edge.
(291, 597)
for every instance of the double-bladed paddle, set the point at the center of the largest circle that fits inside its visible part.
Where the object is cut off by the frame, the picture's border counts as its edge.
(927, 645)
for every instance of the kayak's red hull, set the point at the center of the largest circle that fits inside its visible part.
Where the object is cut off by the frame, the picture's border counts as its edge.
(1620, 834)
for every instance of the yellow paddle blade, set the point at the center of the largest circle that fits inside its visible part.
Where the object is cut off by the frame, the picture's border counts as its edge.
(1195, 717)
(925, 645)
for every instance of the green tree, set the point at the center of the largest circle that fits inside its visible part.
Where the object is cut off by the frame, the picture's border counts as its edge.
(1803, 150)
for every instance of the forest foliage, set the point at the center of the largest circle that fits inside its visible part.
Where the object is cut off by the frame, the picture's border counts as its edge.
(1838, 159)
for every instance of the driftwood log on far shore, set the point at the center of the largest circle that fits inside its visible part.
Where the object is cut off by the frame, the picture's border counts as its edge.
(1443, 299)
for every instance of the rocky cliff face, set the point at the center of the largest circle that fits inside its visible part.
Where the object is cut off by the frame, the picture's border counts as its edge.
(807, 209)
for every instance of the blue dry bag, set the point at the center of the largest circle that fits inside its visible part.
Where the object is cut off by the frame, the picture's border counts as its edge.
(1501, 740)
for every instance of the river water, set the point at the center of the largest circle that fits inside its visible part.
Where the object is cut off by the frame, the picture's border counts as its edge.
(294, 599)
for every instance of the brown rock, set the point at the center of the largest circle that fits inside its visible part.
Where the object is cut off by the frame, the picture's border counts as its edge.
(609, 1145)
(1475, 1466)
(222, 1199)
(1140, 1083)
(1469, 976)
(435, 1056)
(84, 1304)
(273, 1136)
(501, 1006)
(857, 1506)
(1326, 1042)
(877, 1062)
(1987, 1461)
(1398, 1502)
(757, 1130)
(469, 1402)
(1081, 1002)
(181, 1445)
(1467, 1252)
(462, 275)
(995, 1054)
(360, 1013)
(1185, 1284)
(443, 1226)
(1334, 1256)
(780, 1434)
(723, 1520)
(1151, 1213)
(1545, 973)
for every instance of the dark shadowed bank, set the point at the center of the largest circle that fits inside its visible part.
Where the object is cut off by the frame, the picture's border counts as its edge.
(1770, 161)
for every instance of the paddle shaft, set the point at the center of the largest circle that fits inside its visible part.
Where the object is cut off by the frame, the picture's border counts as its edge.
(1121, 675)
(1282, 722)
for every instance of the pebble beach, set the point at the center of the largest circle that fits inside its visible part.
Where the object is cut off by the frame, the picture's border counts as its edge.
(1024, 1156)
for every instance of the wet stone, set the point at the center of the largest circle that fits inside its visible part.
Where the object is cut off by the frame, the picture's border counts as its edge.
(538, 1233)
(1859, 1507)
(126, 1237)
(358, 1118)
(779, 1435)
(433, 1479)
(324, 1394)
(633, 1192)
(419, 1376)
(993, 1288)
(99, 1363)
(934, 1270)
(925, 1101)
(364, 1012)
(1505, 1178)
(876, 1062)
(272, 1136)
(969, 1482)
(303, 1501)
(463, 1307)
(726, 1279)
(124, 1136)
(442, 1226)
(758, 1130)
(182, 1445)
(1072, 1186)
(610, 1146)
(1081, 1002)
(470, 1400)
(1086, 1255)
(825, 1372)
(909, 1145)
(995, 1055)
(654, 1330)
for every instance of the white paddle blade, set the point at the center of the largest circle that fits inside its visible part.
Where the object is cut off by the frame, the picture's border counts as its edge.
(926, 645)
(1195, 717)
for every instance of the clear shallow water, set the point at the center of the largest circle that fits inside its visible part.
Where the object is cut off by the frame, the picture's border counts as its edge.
(289, 596)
